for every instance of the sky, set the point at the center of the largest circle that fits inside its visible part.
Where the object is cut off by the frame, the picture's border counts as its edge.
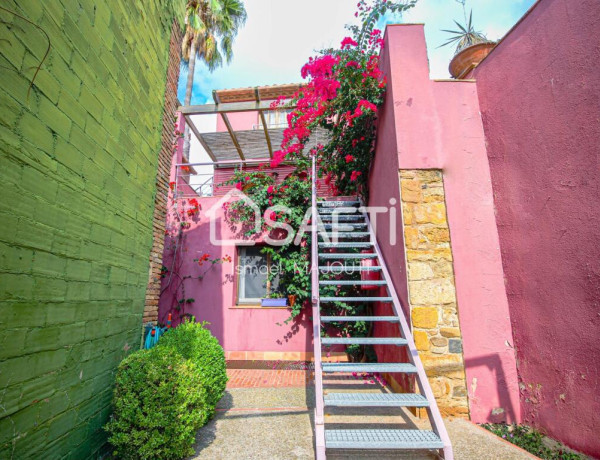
(280, 35)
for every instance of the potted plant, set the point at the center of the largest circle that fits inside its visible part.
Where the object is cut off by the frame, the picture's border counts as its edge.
(274, 300)
(471, 47)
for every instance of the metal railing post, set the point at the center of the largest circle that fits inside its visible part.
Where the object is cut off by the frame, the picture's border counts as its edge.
(316, 314)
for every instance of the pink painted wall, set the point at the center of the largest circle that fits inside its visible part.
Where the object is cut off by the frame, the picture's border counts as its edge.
(539, 93)
(240, 121)
(383, 187)
(237, 329)
(436, 124)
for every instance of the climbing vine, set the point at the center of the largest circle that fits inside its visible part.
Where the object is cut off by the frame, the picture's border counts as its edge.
(344, 90)
(183, 213)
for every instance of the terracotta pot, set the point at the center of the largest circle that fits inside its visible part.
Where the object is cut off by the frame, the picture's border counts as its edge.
(291, 300)
(469, 58)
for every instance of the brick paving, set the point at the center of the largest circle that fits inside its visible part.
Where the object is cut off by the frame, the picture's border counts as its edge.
(269, 378)
(290, 374)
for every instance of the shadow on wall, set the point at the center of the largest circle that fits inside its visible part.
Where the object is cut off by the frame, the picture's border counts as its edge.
(505, 412)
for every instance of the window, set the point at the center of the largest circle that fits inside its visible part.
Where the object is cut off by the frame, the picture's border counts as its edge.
(253, 271)
(276, 118)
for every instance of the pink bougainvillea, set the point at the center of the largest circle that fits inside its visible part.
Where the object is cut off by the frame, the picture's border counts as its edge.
(343, 89)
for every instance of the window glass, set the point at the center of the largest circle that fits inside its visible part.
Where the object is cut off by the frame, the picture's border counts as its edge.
(253, 276)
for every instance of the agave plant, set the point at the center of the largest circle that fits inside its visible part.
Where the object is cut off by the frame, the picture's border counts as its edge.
(465, 36)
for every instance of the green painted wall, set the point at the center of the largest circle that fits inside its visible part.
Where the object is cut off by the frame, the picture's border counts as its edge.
(78, 163)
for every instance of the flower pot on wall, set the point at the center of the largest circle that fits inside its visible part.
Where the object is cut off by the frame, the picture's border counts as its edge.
(292, 300)
(468, 58)
(280, 302)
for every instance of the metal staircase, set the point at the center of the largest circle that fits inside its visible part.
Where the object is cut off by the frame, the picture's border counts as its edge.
(347, 221)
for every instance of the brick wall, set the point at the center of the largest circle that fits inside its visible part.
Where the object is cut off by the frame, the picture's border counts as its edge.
(162, 177)
(431, 287)
(78, 162)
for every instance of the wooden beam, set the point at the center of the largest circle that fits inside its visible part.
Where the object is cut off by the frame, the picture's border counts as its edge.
(250, 106)
(232, 134)
(264, 123)
(192, 126)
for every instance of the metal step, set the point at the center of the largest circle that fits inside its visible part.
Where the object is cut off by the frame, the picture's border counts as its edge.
(404, 368)
(355, 299)
(376, 400)
(342, 218)
(359, 244)
(347, 268)
(333, 204)
(339, 210)
(342, 226)
(382, 439)
(364, 340)
(354, 255)
(344, 235)
(352, 283)
(343, 319)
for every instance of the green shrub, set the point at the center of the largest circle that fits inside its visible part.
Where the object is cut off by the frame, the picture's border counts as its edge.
(159, 404)
(194, 342)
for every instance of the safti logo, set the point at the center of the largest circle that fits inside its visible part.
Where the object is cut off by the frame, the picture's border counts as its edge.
(329, 234)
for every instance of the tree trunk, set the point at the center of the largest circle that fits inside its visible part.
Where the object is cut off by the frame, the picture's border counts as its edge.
(188, 99)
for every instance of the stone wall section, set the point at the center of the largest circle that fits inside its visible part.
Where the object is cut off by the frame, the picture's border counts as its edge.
(162, 178)
(431, 288)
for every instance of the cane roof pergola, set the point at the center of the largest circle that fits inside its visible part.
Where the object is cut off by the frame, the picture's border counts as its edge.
(247, 144)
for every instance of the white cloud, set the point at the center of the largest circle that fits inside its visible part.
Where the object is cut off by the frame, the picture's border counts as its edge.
(280, 35)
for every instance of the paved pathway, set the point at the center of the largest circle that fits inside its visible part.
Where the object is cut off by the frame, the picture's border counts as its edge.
(261, 418)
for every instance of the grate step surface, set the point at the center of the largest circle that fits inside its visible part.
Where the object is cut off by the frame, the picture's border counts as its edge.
(338, 210)
(335, 204)
(382, 439)
(347, 268)
(332, 235)
(353, 255)
(356, 299)
(352, 283)
(344, 218)
(360, 244)
(364, 340)
(376, 400)
(342, 319)
(404, 368)
(342, 226)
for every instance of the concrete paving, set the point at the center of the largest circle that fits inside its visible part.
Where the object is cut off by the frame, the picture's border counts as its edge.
(276, 423)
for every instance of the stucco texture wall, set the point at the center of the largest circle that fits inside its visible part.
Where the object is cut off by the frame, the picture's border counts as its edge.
(539, 92)
(78, 162)
(429, 124)
(244, 332)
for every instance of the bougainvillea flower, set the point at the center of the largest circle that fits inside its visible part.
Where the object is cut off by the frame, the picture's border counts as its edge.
(349, 158)
(347, 42)
(354, 175)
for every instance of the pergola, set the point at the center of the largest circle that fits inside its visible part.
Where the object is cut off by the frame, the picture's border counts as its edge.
(242, 145)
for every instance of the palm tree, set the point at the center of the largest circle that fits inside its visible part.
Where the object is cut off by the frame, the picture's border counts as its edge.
(207, 22)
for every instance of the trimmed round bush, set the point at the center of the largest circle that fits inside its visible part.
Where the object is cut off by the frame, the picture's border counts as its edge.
(159, 404)
(194, 342)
